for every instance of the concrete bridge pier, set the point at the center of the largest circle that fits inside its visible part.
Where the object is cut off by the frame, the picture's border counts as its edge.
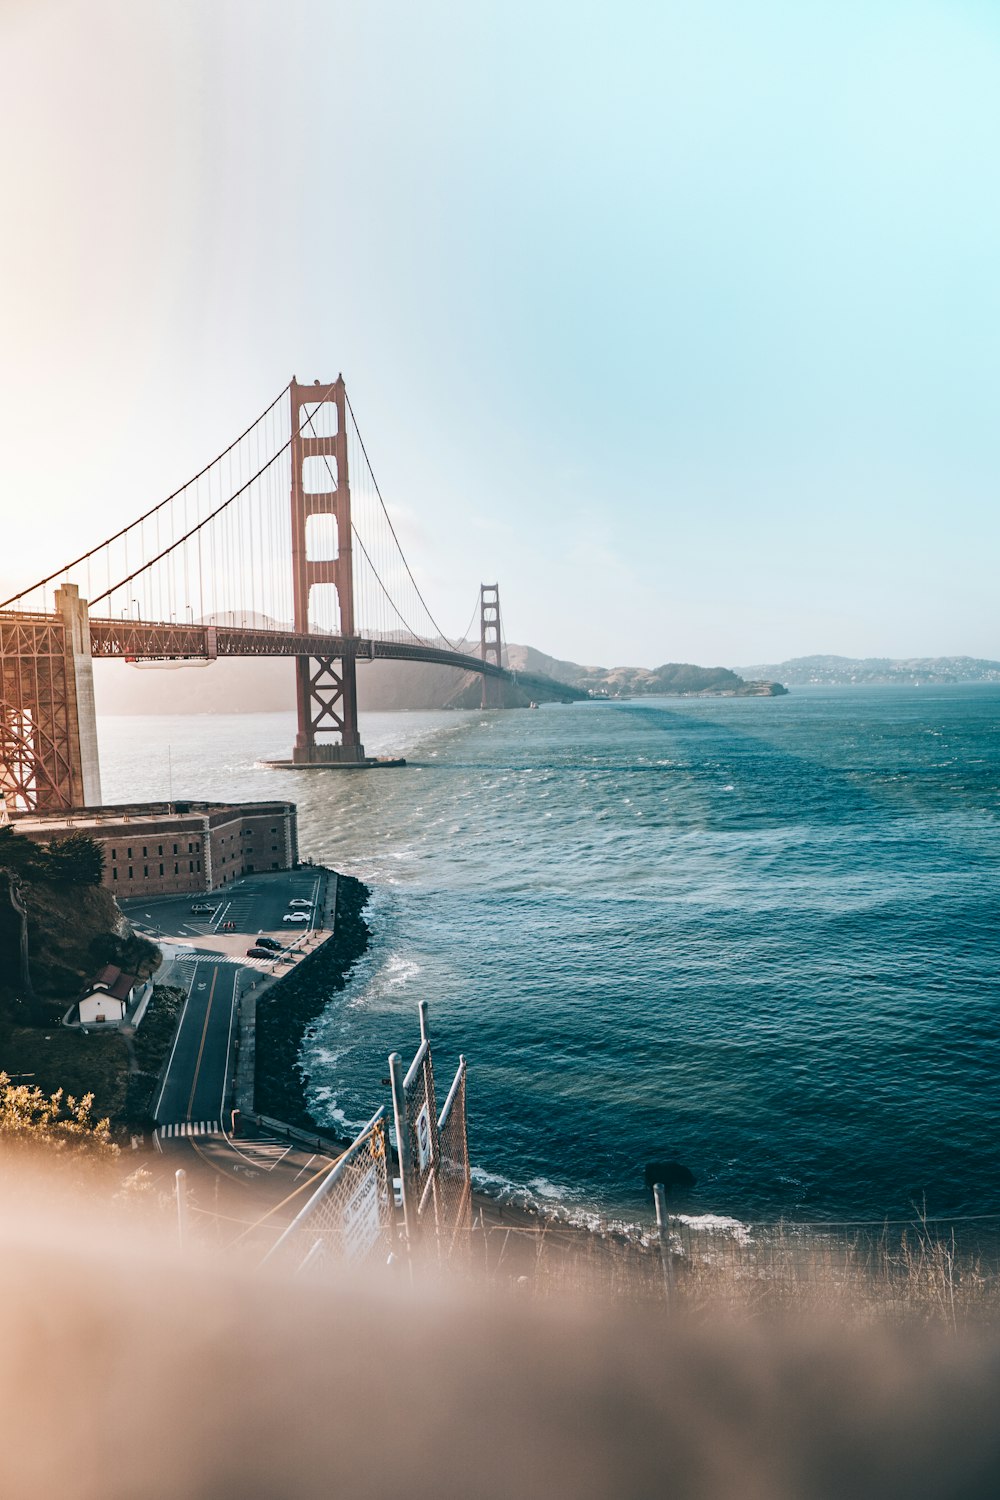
(81, 704)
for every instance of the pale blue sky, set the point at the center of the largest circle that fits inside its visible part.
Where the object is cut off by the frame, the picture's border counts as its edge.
(682, 320)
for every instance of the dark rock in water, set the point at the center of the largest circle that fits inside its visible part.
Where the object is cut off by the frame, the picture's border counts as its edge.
(670, 1173)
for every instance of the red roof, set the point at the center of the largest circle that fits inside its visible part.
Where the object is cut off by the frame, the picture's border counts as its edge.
(111, 979)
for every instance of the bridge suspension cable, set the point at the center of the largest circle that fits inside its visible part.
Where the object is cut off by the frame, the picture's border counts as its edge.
(218, 549)
(466, 636)
(356, 535)
(132, 525)
(368, 467)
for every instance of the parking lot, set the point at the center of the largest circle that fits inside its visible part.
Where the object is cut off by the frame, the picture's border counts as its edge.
(255, 905)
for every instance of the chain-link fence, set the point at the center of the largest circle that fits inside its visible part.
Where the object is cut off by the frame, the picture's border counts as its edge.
(350, 1216)
(454, 1189)
(417, 1138)
(433, 1154)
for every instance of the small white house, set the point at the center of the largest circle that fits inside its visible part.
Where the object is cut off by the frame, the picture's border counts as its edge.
(107, 997)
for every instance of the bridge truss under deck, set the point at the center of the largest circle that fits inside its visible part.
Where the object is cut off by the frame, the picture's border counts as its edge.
(47, 721)
(48, 724)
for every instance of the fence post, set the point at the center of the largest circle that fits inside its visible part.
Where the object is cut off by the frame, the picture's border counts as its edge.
(402, 1137)
(425, 1035)
(180, 1178)
(663, 1228)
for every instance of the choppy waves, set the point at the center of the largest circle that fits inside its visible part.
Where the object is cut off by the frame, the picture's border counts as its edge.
(755, 936)
(782, 976)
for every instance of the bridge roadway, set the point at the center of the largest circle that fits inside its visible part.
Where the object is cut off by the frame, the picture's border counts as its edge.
(132, 640)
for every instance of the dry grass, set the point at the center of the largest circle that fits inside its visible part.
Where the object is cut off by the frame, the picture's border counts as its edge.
(897, 1276)
(54, 1057)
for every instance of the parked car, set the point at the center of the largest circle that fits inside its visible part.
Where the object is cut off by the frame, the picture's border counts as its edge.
(263, 942)
(201, 906)
(298, 901)
(259, 953)
(295, 916)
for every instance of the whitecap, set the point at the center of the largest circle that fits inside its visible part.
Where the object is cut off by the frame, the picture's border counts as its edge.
(715, 1223)
(546, 1189)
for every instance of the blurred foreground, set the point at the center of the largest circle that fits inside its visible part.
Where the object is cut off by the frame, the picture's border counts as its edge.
(132, 1369)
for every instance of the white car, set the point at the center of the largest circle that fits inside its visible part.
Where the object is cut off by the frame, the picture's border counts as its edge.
(298, 901)
(295, 916)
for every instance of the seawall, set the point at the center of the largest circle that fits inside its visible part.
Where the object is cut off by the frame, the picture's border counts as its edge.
(285, 1009)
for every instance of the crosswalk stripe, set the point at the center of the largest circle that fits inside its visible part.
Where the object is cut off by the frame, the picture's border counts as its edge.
(189, 1127)
(223, 958)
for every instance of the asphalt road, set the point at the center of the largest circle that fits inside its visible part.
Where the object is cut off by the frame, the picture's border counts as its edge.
(195, 1085)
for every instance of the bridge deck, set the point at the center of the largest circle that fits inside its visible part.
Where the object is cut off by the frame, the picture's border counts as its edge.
(139, 640)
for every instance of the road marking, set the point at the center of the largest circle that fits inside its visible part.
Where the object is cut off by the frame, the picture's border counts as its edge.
(218, 914)
(229, 1043)
(204, 1033)
(224, 960)
(261, 1154)
(177, 1035)
(189, 1127)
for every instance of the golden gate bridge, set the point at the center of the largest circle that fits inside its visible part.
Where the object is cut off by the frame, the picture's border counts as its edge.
(281, 546)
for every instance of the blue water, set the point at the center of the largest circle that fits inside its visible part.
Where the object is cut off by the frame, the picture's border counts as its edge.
(757, 936)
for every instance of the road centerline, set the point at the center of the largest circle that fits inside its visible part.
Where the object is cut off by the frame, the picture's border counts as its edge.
(201, 1048)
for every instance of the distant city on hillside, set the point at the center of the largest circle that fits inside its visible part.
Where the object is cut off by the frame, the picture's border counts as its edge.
(885, 671)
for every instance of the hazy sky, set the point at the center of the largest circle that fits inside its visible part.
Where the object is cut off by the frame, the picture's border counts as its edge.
(682, 320)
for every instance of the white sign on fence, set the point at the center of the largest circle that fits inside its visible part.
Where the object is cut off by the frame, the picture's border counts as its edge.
(361, 1221)
(424, 1135)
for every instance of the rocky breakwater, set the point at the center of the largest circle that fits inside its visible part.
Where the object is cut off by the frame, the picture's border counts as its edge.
(288, 1008)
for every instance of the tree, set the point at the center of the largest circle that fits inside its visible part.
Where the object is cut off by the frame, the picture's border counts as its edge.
(77, 860)
(20, 910)
(30, 1118)
(19, 854)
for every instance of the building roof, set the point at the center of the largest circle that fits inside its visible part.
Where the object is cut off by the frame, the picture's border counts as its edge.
(140, 817)
(113, 982)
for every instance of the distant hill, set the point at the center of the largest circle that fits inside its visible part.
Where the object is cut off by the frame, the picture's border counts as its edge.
(912, 671)
(266, 684)
(673, 678)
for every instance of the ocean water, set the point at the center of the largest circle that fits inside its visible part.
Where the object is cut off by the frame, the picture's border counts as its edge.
(757, 936)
